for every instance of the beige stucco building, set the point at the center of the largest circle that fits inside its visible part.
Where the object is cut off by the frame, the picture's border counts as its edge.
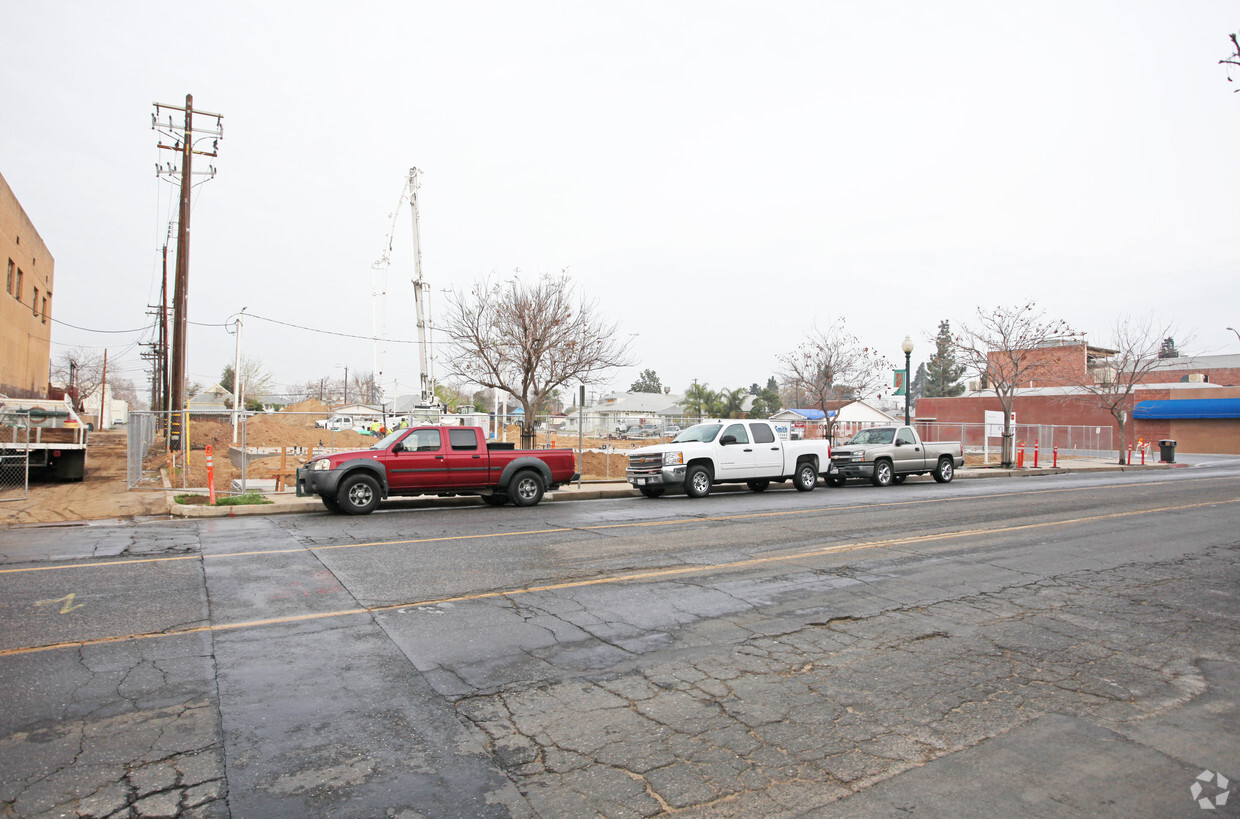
(26, 305)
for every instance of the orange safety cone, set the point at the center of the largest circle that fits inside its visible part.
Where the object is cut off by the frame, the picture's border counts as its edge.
(210, 477)
(1020, 456)
(1055, 462)
(1129, 461)
(1035, 453)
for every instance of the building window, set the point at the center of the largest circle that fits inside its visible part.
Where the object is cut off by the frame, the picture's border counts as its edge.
(45, 309)
(8, 283)
(17, 294)
(34, 303)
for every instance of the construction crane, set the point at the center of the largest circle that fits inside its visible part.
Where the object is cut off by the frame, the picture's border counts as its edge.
(421, 297)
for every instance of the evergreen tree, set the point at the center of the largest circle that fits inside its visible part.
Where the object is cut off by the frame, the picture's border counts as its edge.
(919, 382)
(943, 374)
(648, 382)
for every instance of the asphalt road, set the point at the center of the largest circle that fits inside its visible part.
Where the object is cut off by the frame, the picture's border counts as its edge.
(1039, 646)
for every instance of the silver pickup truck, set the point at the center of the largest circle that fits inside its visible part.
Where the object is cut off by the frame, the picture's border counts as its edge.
(887, 455)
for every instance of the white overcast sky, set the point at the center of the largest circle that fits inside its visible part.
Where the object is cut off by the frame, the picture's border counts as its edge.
(719, 175)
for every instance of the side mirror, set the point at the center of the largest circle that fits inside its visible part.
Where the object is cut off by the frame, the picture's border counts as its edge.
(727, 439)
(899, 443)
(399, 446)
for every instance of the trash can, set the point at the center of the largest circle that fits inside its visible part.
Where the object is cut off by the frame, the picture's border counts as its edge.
(1167, 451)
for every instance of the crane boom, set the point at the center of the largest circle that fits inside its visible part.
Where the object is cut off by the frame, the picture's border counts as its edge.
(420, 290)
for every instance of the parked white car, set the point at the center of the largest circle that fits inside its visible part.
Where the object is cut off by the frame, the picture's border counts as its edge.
(727, 452)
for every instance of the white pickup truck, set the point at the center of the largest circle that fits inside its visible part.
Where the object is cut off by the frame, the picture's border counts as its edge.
(747, 452)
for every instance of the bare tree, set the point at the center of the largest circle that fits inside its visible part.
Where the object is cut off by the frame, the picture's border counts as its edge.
(1232, 60)
(1002, 347)
(1136, 344)
(833, 365)
(79, 369)
(364, 388)
(528, 339)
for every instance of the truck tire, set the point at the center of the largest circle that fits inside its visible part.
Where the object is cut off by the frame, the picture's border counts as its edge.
(526, 488)
(698, 481)
(883, 473)
(945, 471)
(757, 486)
(836, 480)
(358, 494)
(806, 477)
(495, 499)
(651, 491)
(898, 479)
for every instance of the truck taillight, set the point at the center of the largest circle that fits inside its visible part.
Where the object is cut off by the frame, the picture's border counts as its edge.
(55, 453)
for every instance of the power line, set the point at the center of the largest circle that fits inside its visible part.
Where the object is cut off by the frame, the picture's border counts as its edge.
(92, 330)
(329, 332)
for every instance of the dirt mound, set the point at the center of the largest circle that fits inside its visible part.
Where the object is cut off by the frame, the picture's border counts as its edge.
(309, 405)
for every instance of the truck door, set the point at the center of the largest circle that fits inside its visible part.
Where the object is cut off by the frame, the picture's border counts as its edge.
(768, 453)
(418, 462)
(467, 459)
(908, 455)
(736, 458)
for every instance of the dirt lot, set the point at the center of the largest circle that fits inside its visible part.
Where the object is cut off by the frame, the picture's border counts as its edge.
(105, 494)
(101, 495)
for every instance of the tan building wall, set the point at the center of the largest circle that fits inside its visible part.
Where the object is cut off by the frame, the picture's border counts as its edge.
(26, 304)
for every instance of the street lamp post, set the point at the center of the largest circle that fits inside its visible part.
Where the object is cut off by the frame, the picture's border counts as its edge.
(907, 347)
(1234, 330)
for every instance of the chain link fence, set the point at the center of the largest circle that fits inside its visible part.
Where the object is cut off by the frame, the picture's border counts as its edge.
(1073, 441)
(14, 461)
(262, 451)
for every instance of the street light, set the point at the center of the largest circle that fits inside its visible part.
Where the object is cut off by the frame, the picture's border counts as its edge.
(1234, 330)
(907, 347)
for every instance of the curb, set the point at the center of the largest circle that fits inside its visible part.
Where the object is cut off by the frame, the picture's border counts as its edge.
(305, 505)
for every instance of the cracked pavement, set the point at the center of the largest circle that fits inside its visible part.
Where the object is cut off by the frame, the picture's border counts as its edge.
(923, 650)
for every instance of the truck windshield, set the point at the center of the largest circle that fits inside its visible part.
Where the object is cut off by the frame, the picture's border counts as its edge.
(699, 432)
(874, 436)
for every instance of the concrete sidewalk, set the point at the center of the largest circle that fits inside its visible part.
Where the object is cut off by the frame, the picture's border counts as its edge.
(594, 490)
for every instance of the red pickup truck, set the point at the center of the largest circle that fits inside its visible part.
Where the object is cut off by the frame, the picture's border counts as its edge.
(434, 460)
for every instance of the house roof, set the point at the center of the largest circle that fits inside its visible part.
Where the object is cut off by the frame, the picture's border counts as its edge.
(1188, 408)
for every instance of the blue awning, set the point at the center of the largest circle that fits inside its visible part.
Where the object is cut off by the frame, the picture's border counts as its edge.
(1188, 408)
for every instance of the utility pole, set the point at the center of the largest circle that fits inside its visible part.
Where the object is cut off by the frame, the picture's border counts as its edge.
(103, 391)
(184, 145)
(237, 377)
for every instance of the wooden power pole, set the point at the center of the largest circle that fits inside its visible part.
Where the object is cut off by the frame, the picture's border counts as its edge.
(184, 145)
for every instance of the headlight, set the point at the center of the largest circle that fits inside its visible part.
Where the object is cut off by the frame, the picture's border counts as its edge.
(673, 458)
(321, 464)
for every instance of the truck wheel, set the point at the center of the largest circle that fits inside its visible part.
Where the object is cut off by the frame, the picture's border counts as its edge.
(495, 499)
(758, 486)
(883, 474)
(330, 503)
(651, 491)
(358, 495)
(806, 478)
(945, 471)
(697, 482)
(898, 479)
(836, 480)
(526, 488)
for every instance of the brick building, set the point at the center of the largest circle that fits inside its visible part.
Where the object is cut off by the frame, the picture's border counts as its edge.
(1051, 399)
(26, 306)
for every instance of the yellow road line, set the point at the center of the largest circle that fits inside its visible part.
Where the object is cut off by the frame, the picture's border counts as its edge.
(821, 551)
(561, 530)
